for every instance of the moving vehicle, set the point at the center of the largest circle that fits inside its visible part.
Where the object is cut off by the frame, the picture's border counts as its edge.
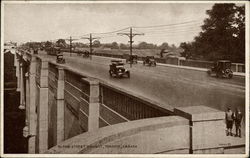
(221, 68)
(150, 61)
(60, 59)
(117, 69)
(85, 53)
(131, 59)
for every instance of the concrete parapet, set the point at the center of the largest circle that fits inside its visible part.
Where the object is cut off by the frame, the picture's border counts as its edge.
(207, 128)
(153, 135)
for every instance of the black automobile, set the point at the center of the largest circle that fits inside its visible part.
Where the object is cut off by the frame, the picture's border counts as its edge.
(150, 61)
(117, 69)
(86, 54)
(221, 68)
(79, 53)
(60, 59)
(131, 59)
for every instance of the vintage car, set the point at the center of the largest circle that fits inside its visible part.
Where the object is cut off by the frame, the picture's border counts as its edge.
(86, 54)
(60, 59)
(131, 59)
(150, 61)
(78, 52)
(221, 68)
(117, 69)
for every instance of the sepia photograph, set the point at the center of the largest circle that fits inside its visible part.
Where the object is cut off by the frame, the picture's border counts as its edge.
(124, 78)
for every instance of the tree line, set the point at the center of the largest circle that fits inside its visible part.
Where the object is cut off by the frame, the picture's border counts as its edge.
(97, 44)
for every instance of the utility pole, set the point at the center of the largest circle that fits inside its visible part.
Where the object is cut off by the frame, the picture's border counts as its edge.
(131, 35)
(70, 44)
(90, 38)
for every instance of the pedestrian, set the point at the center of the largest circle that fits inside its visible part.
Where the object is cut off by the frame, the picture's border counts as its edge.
(237, 120)
(229, 121)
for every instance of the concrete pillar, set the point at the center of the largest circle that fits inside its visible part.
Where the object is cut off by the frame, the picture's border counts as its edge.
(94, 104)
(27, 96)
(236, 68)
(32, 106)
(60, 106)
(17, 70)
(22, 100)
(42, 107)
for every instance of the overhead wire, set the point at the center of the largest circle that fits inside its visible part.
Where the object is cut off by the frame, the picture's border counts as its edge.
(165, 29)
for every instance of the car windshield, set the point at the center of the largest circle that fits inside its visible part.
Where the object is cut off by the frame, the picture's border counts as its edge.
(227, 65)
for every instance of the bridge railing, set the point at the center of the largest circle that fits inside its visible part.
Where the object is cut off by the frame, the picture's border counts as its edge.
(120, 106)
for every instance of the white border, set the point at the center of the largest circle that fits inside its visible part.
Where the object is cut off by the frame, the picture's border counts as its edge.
(247, 94)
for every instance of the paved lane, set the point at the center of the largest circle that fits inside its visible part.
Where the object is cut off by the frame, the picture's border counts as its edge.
(169, 86)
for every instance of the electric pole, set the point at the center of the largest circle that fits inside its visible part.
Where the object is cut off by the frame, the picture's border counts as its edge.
(130, 35)
(70, 44)
(90, 38)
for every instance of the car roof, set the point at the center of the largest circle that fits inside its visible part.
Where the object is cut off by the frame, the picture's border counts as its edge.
(116, 61)
(223, 61)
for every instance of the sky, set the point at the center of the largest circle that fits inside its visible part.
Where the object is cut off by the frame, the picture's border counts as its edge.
(41, 22)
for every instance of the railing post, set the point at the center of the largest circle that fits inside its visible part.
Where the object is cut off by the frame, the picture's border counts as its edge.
(60, 106)
(236, 67)
(94, 104)
(42, 107)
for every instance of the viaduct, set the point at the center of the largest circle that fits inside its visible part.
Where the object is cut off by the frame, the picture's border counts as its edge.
(70, 112)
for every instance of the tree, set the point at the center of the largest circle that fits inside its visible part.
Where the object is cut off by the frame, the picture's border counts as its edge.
(145, 45)
(114, 45)
(61, 43)
(124, 46)
(223, 34)
(187, 47)
(48, 44)
(96, 43)
(164, 46)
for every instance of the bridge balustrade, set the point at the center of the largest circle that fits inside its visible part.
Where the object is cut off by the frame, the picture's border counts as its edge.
(124, 107)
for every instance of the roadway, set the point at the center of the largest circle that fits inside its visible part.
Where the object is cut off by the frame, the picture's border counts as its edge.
(168, 86)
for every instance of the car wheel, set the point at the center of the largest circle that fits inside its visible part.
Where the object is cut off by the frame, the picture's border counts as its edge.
(128, 74)
(209, 72)
(230, 75)
(217, 75)
(110, 73)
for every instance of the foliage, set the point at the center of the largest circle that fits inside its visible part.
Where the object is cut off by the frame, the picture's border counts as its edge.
(61, 43)
(222, 36)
